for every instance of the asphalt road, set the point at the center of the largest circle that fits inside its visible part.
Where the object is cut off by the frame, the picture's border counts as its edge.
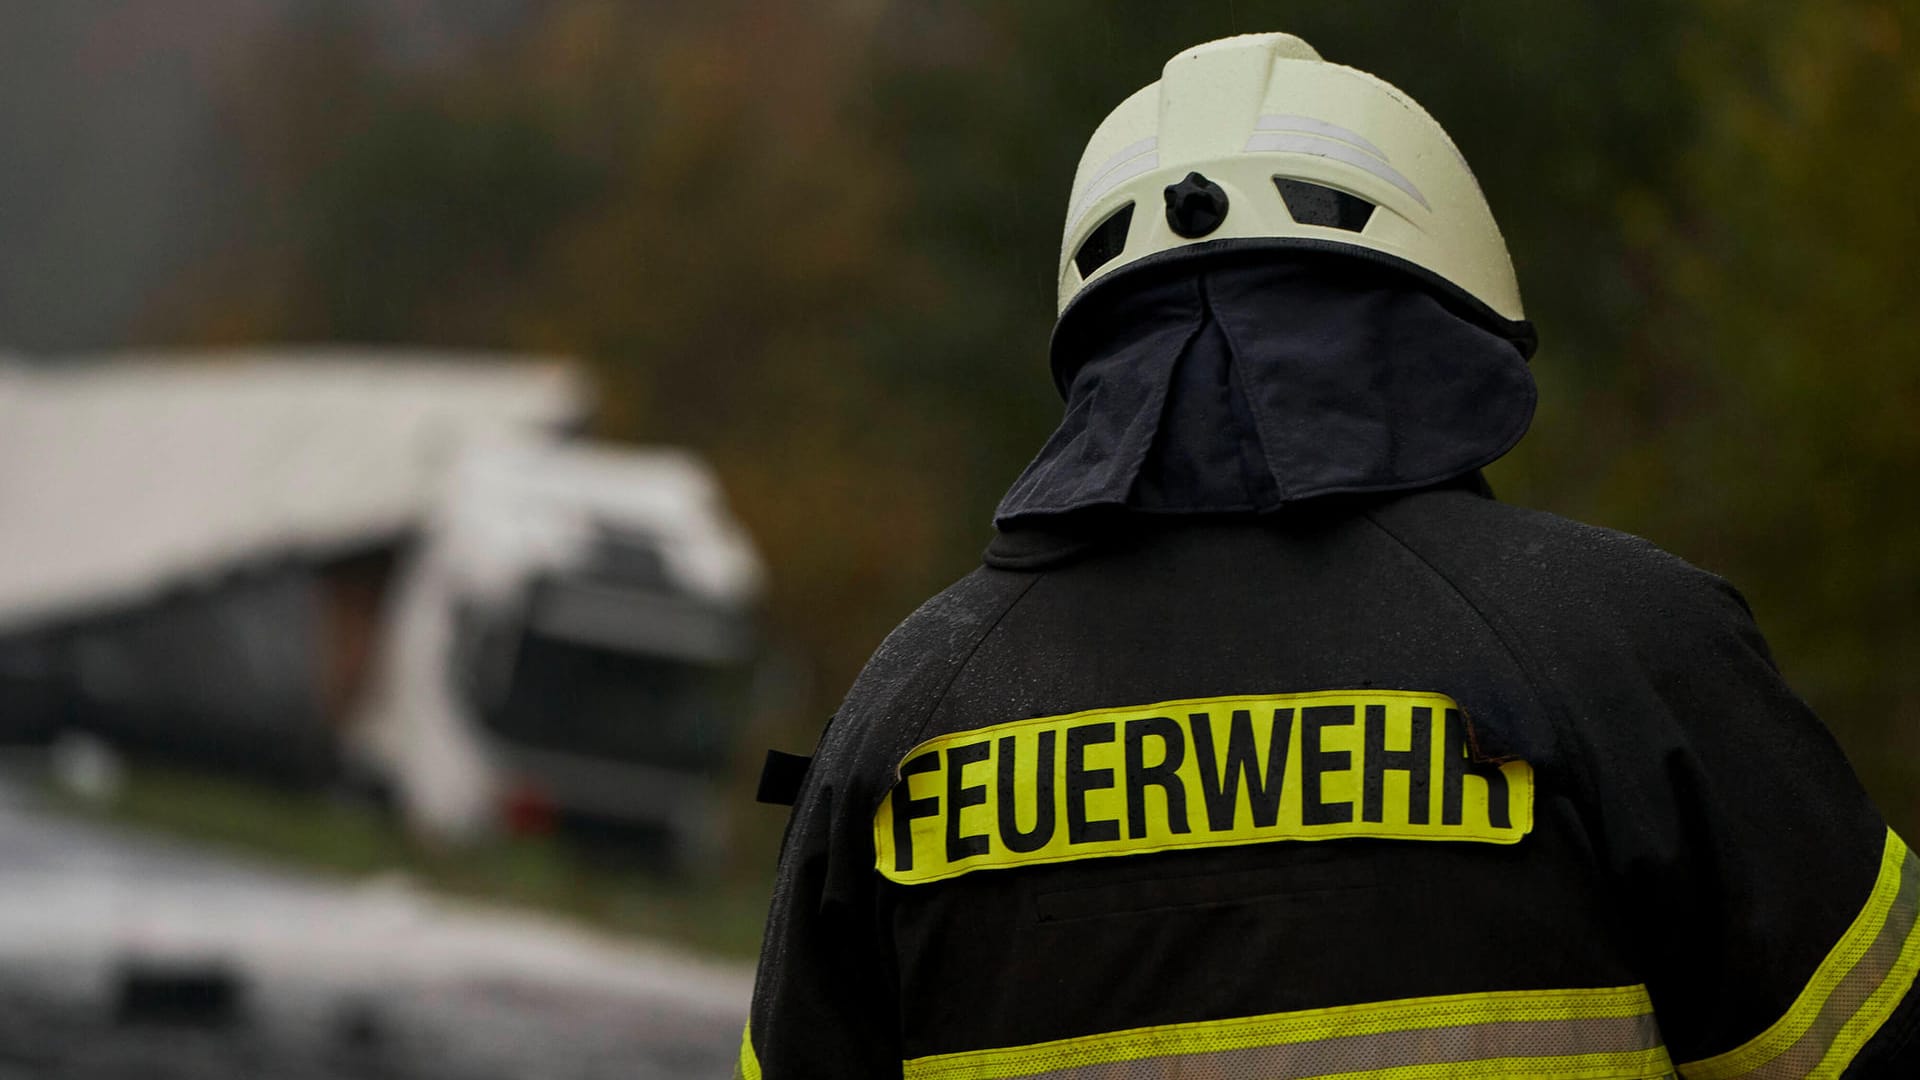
(126, 956)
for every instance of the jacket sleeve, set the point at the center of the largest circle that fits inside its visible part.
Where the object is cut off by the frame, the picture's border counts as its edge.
(826, 999)
(1771, 909)
(823, 994)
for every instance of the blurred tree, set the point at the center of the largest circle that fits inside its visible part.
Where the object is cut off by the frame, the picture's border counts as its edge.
(1787, 262)
(818, 245)
(674, 196)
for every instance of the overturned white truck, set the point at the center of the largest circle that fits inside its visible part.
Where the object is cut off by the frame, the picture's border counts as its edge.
(573, 642)
(286, 563)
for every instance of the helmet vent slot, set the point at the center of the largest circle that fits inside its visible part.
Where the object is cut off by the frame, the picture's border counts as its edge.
(1313, 204)
(1105, 242)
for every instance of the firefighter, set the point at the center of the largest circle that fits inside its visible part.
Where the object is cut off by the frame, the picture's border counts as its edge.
(1266, 743)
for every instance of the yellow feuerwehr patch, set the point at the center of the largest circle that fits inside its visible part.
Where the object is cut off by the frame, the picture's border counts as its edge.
(1203, 772)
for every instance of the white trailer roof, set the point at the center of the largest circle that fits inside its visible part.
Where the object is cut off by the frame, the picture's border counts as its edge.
(128, 474)
(516, 508)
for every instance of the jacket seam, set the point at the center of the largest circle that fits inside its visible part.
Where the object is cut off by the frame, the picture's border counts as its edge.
(1234, 390)
(1268, 446)
(920, 728)
(1543, 689)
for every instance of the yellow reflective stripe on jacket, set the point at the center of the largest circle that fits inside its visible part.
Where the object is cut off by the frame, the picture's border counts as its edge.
(1599, 1034)
(1851, 994)
(749, 1065)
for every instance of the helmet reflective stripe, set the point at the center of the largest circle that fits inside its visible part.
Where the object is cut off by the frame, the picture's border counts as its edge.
(1121, 167)
(1324, 147)
(1247, 112)
(1313, 127)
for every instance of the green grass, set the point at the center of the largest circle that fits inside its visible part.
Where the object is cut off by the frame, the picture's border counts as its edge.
(719, 915)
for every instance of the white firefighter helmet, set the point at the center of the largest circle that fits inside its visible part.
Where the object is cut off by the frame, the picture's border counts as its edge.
(1254, 141)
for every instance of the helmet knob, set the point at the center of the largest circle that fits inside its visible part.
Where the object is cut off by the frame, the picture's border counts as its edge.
(1195, 206)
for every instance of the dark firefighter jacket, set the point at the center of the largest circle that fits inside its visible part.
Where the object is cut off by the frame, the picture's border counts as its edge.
(1267, 744)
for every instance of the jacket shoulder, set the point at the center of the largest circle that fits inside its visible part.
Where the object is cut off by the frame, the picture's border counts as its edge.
(1547, 566)
(888, 705)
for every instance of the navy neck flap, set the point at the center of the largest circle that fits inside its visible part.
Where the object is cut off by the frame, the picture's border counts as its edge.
(1256, 384)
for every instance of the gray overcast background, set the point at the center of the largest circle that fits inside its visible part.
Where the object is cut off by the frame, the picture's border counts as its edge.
(113, 169)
